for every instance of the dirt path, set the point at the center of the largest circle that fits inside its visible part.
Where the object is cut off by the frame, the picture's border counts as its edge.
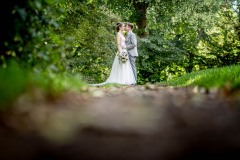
(141, 122)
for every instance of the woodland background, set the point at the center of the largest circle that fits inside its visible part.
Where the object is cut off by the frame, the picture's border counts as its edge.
(78, 36)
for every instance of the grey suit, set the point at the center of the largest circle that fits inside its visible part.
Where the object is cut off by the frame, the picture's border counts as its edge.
(131, 45)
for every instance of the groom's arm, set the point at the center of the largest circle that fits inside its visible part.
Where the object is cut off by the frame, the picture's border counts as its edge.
(133, 41)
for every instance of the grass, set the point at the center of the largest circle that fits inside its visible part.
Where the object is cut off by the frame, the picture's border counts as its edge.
(15, 80)
(57, 82)
(215, 77)
(110, 85)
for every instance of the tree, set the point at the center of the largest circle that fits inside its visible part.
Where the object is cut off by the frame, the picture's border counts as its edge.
(202, 31)
(141, 16)
(132, 10)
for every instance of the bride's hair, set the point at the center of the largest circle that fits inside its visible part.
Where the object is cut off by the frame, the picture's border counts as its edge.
(119, 24)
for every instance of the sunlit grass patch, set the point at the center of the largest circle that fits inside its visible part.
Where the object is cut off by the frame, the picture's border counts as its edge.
(215, 77)
(111, 85)
(58, 82)
(15, 80)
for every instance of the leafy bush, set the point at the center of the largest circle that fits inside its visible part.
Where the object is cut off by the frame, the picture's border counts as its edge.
(155, 55)
(58, 36)
(89, 35)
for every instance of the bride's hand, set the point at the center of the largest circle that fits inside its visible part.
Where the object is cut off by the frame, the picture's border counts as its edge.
(123, 46)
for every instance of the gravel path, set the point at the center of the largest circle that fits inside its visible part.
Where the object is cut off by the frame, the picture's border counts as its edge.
(127, 123)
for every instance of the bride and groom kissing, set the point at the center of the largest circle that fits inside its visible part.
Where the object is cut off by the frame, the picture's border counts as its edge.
(124, 66)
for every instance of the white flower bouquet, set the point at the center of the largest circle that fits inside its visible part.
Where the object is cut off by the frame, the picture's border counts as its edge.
(123, 56)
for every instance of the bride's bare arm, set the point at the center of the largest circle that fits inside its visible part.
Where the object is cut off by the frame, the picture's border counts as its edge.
(118, 43)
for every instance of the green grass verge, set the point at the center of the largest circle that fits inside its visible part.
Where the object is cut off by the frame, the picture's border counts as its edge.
(14, 80)
(111, 85)
(215, 77)
(56, 83)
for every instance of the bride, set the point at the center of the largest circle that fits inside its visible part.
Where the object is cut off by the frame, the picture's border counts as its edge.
(121, 72)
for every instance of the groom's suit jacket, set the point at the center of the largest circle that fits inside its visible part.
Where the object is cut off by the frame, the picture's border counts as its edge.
(131, 44)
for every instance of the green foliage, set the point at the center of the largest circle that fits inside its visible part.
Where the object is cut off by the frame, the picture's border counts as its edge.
(64, 35)
(34, 22)
(215, 77)
(89, 36)
(123, 8)
(204, 32)
(156, 54)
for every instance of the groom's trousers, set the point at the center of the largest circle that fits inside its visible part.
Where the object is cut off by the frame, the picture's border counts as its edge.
(132, 60)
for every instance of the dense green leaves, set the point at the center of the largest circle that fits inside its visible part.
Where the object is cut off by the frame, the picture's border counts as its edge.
(88, 33)
(73, 36)
(156, 54)
(204, 32)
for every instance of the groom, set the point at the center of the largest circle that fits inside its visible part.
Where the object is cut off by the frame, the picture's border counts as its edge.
(131, 45)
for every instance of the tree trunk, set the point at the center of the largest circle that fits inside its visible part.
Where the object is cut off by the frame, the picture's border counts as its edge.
(237, 26)
(140, 11)
(190, 66)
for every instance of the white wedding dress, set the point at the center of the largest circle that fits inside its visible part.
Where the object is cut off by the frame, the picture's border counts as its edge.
(121, 73)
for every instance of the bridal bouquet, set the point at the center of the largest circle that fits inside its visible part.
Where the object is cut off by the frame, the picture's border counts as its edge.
(123, 56)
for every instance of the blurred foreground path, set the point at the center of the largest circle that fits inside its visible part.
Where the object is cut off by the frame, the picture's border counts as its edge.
(127, 123)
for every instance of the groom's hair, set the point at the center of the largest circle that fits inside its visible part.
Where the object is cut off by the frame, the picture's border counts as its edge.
(130, 24)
